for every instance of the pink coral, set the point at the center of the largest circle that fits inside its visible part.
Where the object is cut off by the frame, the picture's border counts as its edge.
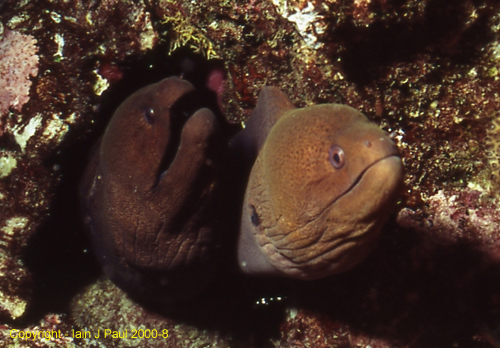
(457, 216)
(18, 61)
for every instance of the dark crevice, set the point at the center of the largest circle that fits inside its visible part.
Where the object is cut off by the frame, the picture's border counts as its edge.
(441, 30)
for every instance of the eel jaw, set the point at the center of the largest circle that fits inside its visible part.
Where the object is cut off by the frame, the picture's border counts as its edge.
(389, 167)
(359, 213)
(379, 182)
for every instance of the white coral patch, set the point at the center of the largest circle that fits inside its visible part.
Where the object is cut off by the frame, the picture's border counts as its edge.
(15, 306)
(23, 134)
(7, 163)
(59, 40)
(148, 37)
(308, 21)
(56, 128)
(14, 224)
(101, 84)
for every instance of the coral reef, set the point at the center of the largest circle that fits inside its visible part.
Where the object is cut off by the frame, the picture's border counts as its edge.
(425, 71)
(18, 61)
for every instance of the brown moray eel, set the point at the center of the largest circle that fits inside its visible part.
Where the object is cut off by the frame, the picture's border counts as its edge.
(324, 182)
(150, 200)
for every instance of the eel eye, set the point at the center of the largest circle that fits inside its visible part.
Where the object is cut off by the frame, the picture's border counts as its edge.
(149, 115)
(336, 156)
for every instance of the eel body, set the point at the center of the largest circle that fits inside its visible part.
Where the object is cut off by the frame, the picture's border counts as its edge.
(149, 195)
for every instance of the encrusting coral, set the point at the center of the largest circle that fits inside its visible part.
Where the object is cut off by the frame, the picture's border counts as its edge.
(18, 61)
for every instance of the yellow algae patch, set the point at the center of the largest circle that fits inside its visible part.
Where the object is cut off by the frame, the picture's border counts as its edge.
(187, 34)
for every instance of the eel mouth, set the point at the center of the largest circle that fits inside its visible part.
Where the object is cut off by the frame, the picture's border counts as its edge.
(180, 112)
(380, 175)
(382, 167)
(379, 182)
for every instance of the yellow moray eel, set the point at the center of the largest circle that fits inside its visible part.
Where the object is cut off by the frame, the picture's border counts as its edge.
(150, 198)
(323, 183)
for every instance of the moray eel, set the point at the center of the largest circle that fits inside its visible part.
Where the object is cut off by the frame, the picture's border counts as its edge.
(150, 196)
(323, 183)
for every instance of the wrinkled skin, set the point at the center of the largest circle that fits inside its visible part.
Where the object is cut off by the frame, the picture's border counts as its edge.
(324, 181)
(149, 196)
